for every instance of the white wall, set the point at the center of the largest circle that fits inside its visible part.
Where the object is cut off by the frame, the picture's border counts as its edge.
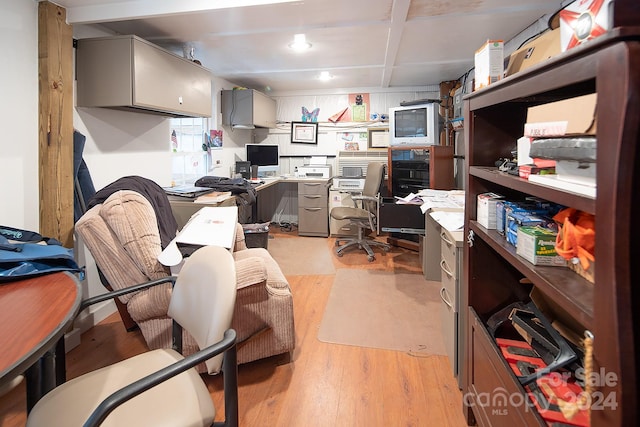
(19, 200)
(330, 102)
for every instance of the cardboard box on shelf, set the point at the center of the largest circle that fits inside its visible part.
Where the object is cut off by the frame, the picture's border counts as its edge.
(489, 63)
(486, 210)
(584, 20)
(538, 246)
(543, 47)
(573, 116)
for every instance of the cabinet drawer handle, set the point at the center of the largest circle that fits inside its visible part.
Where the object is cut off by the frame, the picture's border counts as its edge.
(312, 209)
(311, 184)
(444, 267)
(443, 297)
(443, 236)
(311, 196)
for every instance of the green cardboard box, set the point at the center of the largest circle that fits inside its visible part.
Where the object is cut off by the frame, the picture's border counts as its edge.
(538, 246)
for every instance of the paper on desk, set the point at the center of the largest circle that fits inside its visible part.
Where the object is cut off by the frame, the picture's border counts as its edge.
(430, 203)
(441, 199)
(429, 192)
(411, 199)
(452, 221)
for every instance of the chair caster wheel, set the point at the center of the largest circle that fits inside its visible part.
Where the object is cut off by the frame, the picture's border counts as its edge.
(339, 254)
(371, 258)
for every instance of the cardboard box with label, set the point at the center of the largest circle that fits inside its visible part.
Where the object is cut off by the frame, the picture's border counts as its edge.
(489, 63)
(486, 210)
(573, 116)
(545, 46)
(538, 246)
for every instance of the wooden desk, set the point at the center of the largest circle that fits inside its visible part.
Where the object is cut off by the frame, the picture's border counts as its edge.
(34, 316)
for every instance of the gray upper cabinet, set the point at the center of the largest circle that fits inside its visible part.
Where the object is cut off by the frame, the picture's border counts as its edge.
(127, 72)
(248, 108)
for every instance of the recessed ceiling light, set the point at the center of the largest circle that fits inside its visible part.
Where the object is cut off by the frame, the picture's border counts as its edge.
(300, 43)
(324, 76)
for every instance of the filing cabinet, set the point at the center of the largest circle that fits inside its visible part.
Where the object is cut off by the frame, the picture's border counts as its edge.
(313, 210)
(451, 273)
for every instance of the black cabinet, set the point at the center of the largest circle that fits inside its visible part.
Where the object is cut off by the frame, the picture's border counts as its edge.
(412, 169)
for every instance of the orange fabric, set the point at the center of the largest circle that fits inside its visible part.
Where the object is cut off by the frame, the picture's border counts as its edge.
(577, 236)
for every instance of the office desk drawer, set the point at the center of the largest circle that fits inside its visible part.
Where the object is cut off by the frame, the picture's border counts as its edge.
(312, 200)
(313, 188)
(313, 221)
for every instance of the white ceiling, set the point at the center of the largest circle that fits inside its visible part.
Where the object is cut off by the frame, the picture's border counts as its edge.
(362, 43)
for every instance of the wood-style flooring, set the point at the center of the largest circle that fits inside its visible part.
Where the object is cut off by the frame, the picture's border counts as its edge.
(319, 384)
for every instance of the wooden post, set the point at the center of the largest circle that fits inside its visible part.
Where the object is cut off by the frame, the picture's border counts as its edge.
(55, 133)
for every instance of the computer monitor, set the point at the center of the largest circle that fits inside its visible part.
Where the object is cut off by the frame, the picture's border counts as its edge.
(266, 156)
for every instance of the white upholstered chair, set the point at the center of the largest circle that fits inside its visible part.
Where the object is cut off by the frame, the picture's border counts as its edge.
(161, 387)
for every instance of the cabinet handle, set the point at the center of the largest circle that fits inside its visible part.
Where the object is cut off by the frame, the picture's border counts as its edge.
(443, 297)
(312, 209)
(444, 267)
(443, 236)
(311, 196)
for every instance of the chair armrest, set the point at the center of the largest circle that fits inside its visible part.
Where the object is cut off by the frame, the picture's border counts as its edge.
(229, 372)
(250, 271)
(367, 198)
(129, 289)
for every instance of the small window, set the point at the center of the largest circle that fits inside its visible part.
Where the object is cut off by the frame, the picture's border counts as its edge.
(189, 160)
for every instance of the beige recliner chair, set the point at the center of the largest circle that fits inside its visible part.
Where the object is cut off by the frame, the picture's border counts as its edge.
(122, 235)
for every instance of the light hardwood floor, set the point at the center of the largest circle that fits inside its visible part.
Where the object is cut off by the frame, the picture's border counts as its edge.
(319, 384)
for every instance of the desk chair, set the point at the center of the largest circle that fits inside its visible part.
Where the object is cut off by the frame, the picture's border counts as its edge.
(162, 387)
(364, 213)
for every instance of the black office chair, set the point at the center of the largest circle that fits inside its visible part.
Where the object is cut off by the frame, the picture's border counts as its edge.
(364, 214)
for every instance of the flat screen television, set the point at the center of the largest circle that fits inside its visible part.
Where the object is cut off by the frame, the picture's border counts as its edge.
(266, 156)
(414, 125)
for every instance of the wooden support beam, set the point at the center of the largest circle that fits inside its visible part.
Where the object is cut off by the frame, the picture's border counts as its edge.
(55, 113)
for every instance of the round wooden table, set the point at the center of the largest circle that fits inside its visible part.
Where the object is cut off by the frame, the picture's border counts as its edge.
(34, 316)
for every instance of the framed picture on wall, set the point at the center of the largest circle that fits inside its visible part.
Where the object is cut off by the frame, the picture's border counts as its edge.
(379, 138)
(304, 132)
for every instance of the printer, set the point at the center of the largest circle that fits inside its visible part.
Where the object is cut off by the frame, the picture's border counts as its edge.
(317, 168)
(314, 171)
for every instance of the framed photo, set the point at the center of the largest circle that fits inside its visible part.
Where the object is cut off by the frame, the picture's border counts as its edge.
(378, 138)
(304, 132)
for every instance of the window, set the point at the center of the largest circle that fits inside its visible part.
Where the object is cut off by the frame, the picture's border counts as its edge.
(189, 161)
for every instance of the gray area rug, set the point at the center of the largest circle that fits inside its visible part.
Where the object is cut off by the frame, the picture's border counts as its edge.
(376, 309)
(302, 256)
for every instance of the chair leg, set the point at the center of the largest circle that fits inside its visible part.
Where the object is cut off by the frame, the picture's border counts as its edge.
(230, 383)
(363, 243)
